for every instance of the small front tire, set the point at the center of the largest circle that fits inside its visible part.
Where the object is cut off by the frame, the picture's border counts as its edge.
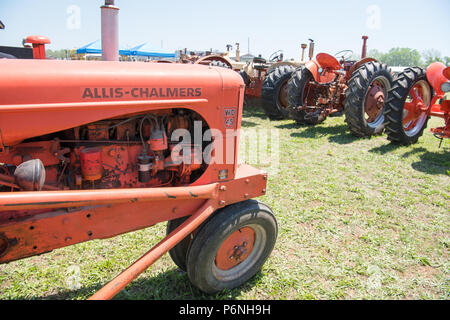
(232, 246)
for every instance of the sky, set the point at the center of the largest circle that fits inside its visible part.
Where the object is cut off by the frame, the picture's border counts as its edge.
(270, 25)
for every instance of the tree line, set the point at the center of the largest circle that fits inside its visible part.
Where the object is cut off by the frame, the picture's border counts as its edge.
(407, 57)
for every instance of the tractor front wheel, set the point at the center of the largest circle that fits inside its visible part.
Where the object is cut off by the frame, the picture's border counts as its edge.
(406, 116)
(231, 246)
(365, 99)
(179, 252)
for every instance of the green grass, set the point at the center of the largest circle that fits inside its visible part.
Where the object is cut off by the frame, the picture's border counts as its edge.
(358, 219)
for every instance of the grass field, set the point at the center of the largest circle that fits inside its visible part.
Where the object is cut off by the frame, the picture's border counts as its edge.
(358, 219)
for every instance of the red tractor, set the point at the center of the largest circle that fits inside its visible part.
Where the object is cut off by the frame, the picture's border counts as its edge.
(327, 86)
(416, 95)
(263, 80)
(91, 150)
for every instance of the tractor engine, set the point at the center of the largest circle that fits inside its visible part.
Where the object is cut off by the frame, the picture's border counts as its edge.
(129, 152)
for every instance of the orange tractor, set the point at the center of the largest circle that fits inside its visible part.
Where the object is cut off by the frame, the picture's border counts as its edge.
(91, 150)
(265, 82)
(327, 86)
(416, 95)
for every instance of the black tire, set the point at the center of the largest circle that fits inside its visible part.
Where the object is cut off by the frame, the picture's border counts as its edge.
(179, 252)
(7, 56)
(394, 112)
(358, 88)
(201, 261)
(271, 92)
(296, 86)
(245, 77)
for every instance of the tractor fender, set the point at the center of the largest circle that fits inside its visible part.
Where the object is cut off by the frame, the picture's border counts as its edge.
(313, 66)
(436, 77)
(359, 64)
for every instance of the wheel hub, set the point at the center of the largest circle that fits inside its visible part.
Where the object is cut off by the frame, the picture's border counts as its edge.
(235, 249)
(374, 101)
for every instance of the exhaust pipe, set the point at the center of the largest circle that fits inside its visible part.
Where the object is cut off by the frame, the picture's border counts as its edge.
(110, 31)
(364, 48)
(311, 48)
(303, 46)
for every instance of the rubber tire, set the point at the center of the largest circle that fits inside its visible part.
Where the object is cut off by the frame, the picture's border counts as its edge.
(270, 91)
(178, 254)
(295, 97)
(358, 86)
(393, 115)
(206, 242)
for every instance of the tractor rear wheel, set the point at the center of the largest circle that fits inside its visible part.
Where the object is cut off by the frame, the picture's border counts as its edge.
(274, 92)
(231, 246)
(405, 115)
(298, 95)
(364, 102)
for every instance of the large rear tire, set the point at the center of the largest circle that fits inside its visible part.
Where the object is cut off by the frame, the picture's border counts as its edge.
(404, 120)
(274, 92)
(297, 93)
(370, 82)
(231, 246)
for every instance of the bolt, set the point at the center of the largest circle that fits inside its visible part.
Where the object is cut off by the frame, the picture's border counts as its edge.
(222, 202)
(245, 195)
(263, 190)
(223, 188)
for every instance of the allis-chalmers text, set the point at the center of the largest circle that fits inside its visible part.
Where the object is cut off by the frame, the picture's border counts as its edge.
(117, 93)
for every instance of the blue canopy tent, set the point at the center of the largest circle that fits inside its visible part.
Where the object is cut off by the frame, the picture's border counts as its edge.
(147, 50)
(96, 48)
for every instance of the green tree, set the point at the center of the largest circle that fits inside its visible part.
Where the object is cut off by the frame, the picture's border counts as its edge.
(59, 54)
(401, 57)
(431, 55)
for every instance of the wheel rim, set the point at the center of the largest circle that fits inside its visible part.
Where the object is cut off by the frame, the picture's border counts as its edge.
(282, 96)
(374, 101)
(414, 115)
(233, 258)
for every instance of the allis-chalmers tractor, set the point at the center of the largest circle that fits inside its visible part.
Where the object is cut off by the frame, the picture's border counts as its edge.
(91, 150)
(326, 86)
(416, 95)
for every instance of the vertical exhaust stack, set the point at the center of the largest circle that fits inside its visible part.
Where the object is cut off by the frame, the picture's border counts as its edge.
(364, 48)
(303, 46)
(110, 31)
(311, 48)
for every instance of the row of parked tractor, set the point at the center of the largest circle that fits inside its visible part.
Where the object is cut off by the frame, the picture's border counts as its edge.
(372, 98)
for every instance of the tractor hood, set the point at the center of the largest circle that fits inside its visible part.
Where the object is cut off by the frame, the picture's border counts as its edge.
(44, 96)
